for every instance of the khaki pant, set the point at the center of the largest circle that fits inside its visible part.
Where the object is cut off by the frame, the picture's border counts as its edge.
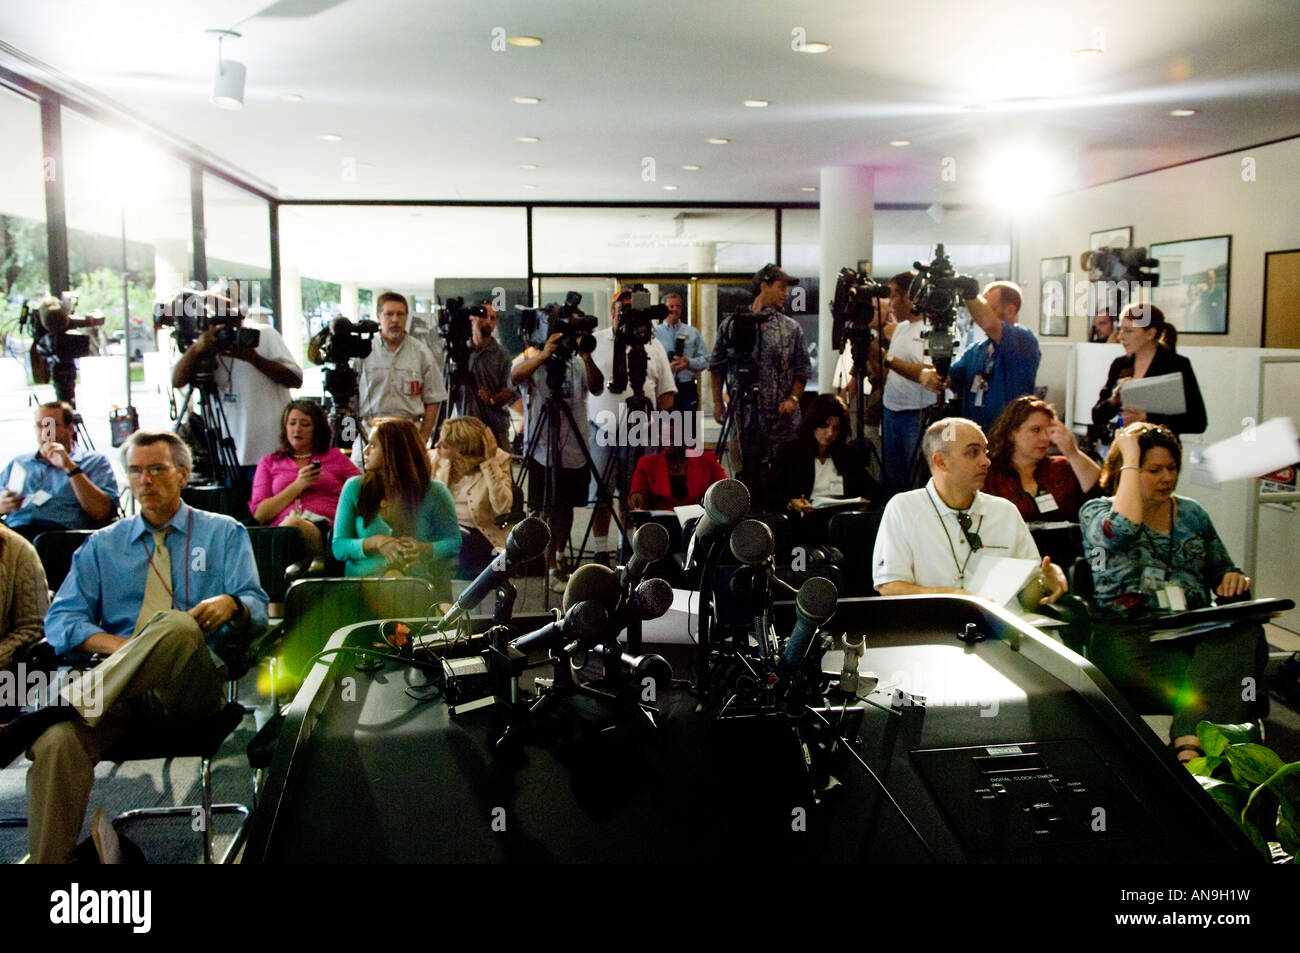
(163, 674)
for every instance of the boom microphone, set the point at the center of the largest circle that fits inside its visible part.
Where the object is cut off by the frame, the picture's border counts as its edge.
(725, 504)
(526, 541)
(813, 606)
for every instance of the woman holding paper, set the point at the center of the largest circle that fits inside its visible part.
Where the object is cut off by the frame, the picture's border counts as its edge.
(1042, 487)
(819, 462)
(1149, 343)
(1151, 549)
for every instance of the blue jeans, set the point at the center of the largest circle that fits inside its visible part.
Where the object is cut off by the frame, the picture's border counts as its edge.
(902, 431)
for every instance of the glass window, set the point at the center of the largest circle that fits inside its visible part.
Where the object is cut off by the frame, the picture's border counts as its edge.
(23, 245)
(652, 240)
(237, 241)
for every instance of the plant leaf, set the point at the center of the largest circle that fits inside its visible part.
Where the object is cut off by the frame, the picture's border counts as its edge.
(1214, 738)
(1253, 764)
(1205, 767)
(1232, 799)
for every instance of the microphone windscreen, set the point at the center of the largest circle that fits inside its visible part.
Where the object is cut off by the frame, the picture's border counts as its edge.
(652, 599)
(752, 542)
(527, 540)
(592, 582)
(586, 620)
(817, 599)
(726, 502)
(650, 542)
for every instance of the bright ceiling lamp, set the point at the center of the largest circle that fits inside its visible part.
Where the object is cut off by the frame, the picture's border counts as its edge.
(228, 86)
(1016, 180)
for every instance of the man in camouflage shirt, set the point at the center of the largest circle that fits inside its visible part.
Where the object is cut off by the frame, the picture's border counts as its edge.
(782, 369)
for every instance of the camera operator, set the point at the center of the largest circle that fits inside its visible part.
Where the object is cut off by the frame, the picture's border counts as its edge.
(490, 365)
(904, 397)
(692, 358)
(611, 424)
(577, 377)
(782, 368)
(249, 380)
(402, 378)
(991, 373)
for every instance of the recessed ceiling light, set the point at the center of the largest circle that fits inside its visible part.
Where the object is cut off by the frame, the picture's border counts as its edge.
(529, 185)
(670, 188)
(1087, 53)
(331, 137)
(973, 107)
(900, 142)
(717, 141)
(815, 47)
(690, 168)
(1182, 112)
(527, 139)
(756, 103)
(528, 165)
(524, 41)
(526, 100)
(807, 188)
(289, 97)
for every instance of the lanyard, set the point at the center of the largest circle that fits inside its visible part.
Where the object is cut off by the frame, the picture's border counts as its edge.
(189, 525)
(961, 567)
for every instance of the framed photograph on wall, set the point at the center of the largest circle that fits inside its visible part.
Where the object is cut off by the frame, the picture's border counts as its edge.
(1111, 238)
(1054, 296)
(1193, 288)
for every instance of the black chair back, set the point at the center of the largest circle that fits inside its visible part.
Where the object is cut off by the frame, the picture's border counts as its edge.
(55, 548)
(277, 549)
(854, 533)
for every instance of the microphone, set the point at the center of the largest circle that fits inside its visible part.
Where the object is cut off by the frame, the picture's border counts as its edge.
(752, 543)
(813, 606)
(649, 545)
(526, 541)
(725, 504)
(583, 621)
(592, 582)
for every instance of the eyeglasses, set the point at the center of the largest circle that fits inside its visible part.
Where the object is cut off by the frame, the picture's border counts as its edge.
(153, 469)
(972, 539)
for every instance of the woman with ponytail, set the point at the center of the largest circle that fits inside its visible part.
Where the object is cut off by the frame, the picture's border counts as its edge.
(1149, 343)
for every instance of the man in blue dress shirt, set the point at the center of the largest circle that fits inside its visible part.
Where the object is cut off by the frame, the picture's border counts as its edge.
(62, 487)
(693, 359)
(994, 372)
(147, 592)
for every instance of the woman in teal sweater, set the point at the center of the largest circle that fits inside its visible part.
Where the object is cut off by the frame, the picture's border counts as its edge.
(396, 520)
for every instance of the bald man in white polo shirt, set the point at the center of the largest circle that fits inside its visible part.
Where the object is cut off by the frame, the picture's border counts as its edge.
(929, 536)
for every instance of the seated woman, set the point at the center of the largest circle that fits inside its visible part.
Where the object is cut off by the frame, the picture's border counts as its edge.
(819, 462)
(1042, 487)
(1152, 549)
(395, 520)
(477, 472)
(299, 484)
(1149, 343)
(672, 477)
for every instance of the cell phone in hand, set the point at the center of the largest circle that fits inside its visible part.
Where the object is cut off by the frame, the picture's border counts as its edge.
(315, 464)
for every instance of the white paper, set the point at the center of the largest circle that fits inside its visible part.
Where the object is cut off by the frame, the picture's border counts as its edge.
(999, 578)
(1255, 451)
(17, 477)
(826, 502)
(1156, 395)
(688, 512)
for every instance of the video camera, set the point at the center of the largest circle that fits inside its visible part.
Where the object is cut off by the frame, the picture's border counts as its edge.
(935, 293)
(341, 340)
(191, 313)
(52, 324)
(635, 315)
(456, 330)
(538, 324)
(1120, 264)
(853, 309)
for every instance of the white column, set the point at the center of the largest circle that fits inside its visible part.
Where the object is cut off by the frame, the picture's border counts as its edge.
(349, 303)
(848, 199)
(291, 328)
(702, 259)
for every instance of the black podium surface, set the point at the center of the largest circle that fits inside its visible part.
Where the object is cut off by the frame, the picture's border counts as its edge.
(1022, 752)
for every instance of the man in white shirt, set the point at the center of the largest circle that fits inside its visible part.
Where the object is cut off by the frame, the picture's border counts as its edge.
(929, 536)
(617, 439)
(905, 398)
(400, 377)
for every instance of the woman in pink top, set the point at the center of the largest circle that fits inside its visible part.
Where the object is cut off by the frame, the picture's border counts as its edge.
(299, 484)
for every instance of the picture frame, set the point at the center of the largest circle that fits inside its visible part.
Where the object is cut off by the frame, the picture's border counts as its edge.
(1194, 285)
(1111, 238)
(1054, 296)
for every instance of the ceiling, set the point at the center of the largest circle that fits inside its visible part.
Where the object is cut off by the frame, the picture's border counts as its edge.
(630, 91)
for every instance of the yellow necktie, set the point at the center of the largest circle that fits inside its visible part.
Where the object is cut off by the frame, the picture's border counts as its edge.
(158, 582)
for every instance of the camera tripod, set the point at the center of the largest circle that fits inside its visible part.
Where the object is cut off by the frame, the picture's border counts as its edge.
(341, 385)
(216, 459)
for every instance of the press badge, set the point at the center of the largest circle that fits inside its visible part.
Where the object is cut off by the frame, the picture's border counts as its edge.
(230, 397)
(1045, 502)
(413, 388)
(978, 385)
(1172, 597)
(1153, 579)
